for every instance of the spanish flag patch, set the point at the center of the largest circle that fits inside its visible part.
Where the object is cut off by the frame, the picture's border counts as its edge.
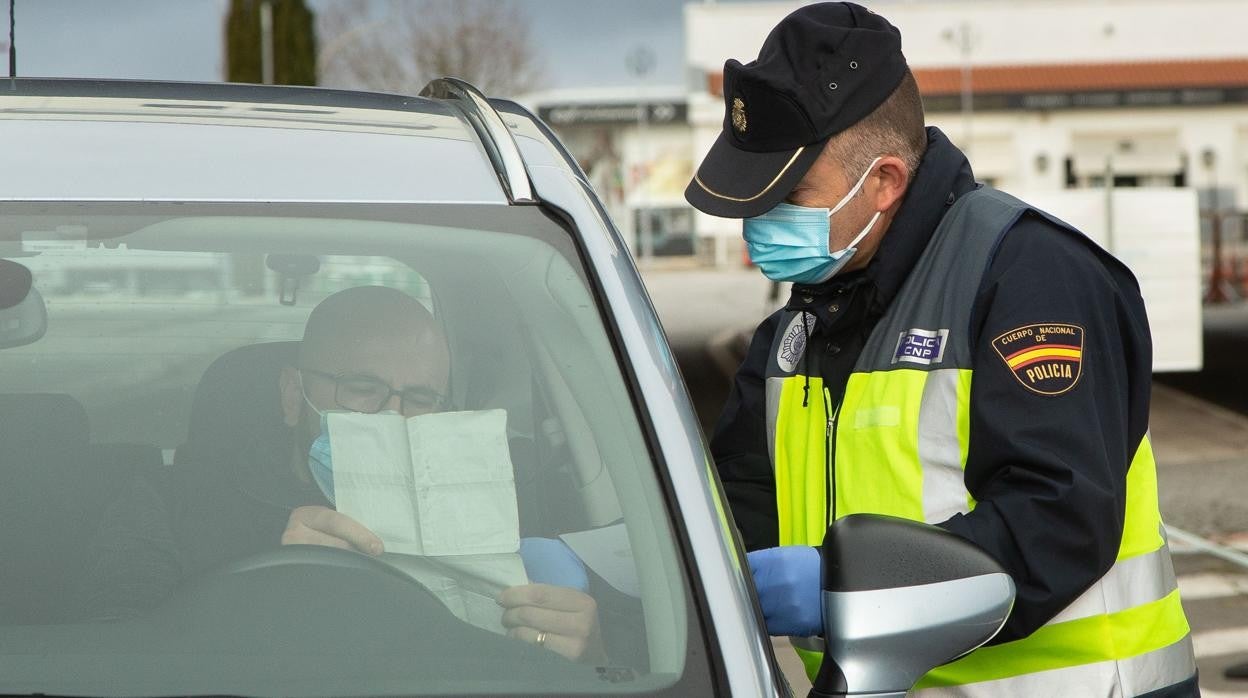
(1046, 358)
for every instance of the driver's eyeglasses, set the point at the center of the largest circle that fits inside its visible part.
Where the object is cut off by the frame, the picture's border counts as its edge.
(368, 394)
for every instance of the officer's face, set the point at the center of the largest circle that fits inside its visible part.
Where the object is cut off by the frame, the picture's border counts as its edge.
(826, 183)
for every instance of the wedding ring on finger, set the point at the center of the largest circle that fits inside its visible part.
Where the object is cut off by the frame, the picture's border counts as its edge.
(541, 638)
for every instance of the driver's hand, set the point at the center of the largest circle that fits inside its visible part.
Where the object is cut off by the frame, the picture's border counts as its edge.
(317, 525)
(567, 617)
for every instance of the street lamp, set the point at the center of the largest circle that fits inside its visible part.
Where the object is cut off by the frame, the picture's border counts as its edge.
(962, 37)
(640, 61)
(266, 43)
(12, 45)
(1217, 279)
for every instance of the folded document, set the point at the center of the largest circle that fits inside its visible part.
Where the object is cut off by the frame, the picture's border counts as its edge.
(440, 486)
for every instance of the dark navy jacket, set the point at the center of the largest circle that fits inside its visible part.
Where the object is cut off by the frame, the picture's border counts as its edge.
(1048, 472)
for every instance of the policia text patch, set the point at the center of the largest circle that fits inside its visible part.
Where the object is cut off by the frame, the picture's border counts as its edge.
(1046, 358)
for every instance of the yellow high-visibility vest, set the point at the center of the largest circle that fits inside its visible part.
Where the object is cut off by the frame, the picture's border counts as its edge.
(900, 435)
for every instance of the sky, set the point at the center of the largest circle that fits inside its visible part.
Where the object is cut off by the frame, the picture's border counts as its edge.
(584, 42)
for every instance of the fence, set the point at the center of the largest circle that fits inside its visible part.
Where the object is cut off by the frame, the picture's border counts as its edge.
(1224, 256)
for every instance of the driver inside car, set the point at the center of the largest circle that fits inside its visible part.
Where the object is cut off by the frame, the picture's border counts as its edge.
(366, 349)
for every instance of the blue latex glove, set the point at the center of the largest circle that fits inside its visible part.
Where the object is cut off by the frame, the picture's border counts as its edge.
(550, 561)
(787, 579)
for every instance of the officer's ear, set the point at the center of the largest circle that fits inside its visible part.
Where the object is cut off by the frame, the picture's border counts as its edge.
(887, 184)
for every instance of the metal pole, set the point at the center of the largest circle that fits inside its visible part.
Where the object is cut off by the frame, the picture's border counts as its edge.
(647, 238)
(1208, 546)
(1217, 280)
(12, 44)
(640, 61)
(968, 97)
(1109, 204)
(266, 42)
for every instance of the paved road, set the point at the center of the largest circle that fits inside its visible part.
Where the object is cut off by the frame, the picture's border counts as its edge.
(1224, 379)
(1202, 446)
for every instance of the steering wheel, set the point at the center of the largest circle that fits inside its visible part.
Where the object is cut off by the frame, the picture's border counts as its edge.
(307, 599)
(297, 619)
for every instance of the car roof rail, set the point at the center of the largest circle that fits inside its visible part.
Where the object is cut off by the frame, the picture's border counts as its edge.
(492, 131)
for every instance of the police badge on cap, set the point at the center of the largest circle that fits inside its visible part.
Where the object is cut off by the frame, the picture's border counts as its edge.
(821, 70)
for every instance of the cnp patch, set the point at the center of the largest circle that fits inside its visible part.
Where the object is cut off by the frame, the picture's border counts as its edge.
(1047, 358)
(917, 346)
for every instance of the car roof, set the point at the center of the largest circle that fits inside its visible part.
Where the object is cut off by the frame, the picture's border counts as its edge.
(135, 140)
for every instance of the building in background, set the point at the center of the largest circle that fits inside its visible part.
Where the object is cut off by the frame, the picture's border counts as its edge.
(635, 145)
(1044, 95)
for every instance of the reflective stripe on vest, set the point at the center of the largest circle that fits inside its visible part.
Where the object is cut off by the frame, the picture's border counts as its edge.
(1132, 676)
(901, 434)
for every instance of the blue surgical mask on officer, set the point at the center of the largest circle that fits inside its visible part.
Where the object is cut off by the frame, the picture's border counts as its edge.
(791, 242)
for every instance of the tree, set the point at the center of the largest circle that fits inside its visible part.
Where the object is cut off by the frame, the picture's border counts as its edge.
(294, 42)
(401, 46)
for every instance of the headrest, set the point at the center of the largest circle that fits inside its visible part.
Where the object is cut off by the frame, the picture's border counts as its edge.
(237, 407)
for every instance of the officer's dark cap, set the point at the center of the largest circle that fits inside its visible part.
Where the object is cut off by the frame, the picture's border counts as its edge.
(822, 69)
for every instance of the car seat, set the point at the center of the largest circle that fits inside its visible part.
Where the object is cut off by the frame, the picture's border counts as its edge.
(236, 422)
(50, 499)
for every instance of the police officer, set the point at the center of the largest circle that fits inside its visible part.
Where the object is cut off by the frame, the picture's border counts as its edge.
(949, 354)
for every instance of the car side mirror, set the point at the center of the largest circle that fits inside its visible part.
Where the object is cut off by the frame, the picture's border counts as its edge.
(23, 315)
(899, 599)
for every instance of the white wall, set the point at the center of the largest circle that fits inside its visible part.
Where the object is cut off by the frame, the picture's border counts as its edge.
(1057, 31)
(1005, 146)
(1155, 232)
(1223, 129)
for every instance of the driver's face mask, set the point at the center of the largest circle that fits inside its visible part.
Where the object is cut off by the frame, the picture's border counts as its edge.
(320, 458)
(790, 242)
(320, 462)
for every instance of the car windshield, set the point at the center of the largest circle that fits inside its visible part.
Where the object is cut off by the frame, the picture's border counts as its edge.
(170, 401)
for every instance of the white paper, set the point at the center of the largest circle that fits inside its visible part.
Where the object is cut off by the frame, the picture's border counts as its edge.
(373, 481)
(465, 485)
(437, 484)
(608, 553)
(439, 490)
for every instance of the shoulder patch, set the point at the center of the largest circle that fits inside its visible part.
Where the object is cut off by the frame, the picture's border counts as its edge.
(1046, 358)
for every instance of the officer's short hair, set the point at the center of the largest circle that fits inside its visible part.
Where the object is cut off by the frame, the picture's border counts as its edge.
(896, 127)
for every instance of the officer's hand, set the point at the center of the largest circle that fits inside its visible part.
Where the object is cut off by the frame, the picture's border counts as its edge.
(787, 579)
(316, 525)
(562, 620)
(551, 561)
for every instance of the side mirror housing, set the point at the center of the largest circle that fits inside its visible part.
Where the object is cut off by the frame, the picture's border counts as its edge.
(899, 599)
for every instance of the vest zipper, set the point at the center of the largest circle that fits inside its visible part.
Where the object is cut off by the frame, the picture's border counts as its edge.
(805, 360)
(829, 452)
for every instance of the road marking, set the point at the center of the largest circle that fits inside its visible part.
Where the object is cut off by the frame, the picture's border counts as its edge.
(1216, 643)
(1212, 585)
